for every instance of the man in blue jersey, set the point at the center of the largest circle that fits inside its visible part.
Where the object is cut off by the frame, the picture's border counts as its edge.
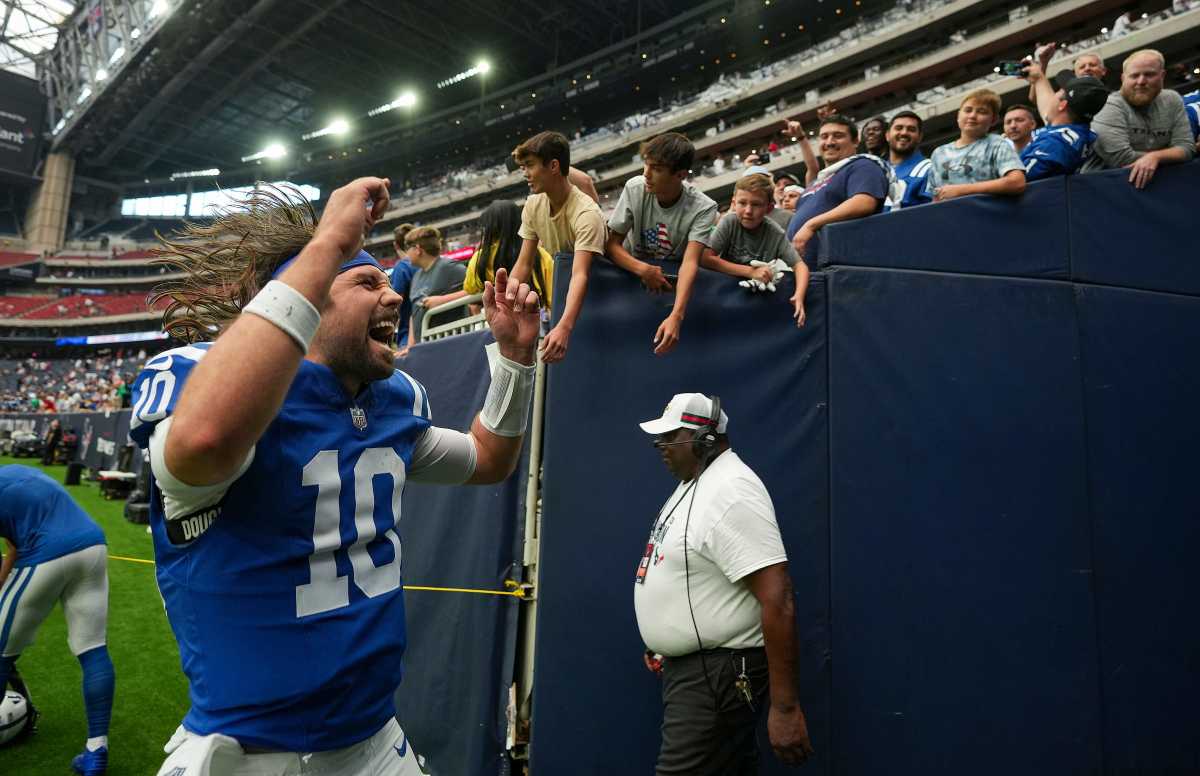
(1191, 103)
(279, 452)
(908, 163)
(1065, 143)
(56, 553)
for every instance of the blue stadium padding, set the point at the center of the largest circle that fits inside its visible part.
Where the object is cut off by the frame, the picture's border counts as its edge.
(596, 708)
(1121, 236)
(1142, 380)
(964, 637)
(461, 647)
(1024, 236)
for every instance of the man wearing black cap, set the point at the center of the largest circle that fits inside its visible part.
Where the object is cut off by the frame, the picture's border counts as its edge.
(714, 604)
(1062, 146)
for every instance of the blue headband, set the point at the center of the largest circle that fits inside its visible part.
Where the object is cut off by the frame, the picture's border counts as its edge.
(360, 259)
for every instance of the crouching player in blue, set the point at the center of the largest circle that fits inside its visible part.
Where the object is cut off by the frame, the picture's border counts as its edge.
(279, 452)
(56, 553)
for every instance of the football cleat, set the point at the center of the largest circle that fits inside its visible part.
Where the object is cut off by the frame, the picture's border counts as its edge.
(89, 763)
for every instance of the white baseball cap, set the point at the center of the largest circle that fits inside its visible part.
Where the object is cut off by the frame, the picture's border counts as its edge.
(685, 410)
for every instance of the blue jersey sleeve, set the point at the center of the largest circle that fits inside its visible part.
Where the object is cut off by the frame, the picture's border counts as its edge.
(1057, 151)
(157, 389)
(1191, 104)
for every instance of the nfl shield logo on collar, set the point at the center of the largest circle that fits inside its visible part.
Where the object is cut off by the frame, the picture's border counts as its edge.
(359, 416)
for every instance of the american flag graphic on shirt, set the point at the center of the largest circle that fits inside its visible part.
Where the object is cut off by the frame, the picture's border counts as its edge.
(656, 243)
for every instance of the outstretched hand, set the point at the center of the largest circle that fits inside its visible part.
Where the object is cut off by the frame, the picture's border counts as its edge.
(513, 316)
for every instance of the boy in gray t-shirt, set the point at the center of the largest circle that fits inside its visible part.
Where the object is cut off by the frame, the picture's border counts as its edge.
(436, 281)
(661, 221)
(745, 234)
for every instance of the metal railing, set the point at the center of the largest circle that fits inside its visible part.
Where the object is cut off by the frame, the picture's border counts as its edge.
(424, 332)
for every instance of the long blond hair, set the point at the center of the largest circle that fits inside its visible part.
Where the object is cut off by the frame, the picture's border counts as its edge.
(226, 262)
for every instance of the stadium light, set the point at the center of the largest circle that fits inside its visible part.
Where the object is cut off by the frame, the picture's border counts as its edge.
(135, 33)
(117, 54)
(338, 126)
(83, 94)
(101, 74)
(158, 8)
(482, 67)
(62, 122)
(272, 151)
(210, 173)
(407, 99)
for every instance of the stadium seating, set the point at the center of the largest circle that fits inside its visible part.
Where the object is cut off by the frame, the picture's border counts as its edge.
(14, 258)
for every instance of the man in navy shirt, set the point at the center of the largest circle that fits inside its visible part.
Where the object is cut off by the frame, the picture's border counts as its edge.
(402, 275)
(850, 186)
(56, 553)
(1065, 143)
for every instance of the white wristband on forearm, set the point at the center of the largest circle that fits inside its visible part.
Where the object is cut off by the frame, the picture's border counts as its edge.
(288, 309)
(506, 409)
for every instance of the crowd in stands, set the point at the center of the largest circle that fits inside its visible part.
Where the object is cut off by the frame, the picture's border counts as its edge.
(72, 306)
(663, 229)
(93, 383)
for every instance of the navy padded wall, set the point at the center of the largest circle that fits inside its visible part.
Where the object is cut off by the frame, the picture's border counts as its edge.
(596, 708)
(1025, 236)
(964, 638)
(1121, 236)
(1142, 381)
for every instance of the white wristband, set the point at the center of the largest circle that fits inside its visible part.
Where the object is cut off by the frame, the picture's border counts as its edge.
(506, 409)
(288, 309)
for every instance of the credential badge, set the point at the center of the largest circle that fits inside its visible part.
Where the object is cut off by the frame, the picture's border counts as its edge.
(359, 416)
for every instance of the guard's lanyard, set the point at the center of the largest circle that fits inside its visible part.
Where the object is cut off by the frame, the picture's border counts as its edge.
(662, 523)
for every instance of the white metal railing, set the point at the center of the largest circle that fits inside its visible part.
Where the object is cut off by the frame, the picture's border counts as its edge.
(423, 332)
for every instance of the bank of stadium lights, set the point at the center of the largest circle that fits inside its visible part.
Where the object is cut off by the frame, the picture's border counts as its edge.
(482, 67)
(272, 151)
(336, 127)
(405, 100)
(210, 173)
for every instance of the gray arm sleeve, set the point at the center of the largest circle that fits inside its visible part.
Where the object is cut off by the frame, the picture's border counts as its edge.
(443, 456)
(1181, 130)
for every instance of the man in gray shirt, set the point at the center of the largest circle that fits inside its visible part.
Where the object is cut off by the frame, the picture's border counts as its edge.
(1143, 125)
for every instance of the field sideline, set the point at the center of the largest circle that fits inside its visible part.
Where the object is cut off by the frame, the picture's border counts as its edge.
(151, 692)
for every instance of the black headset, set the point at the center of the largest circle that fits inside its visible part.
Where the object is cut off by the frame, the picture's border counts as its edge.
(704, 441)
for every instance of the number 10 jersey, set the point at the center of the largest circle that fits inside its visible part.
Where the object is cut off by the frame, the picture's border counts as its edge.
(284, 591)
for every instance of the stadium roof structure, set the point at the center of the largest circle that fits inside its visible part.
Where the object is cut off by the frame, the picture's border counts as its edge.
(28, 29)
(323, 88)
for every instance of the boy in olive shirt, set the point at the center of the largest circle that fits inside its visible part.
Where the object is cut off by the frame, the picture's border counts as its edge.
(745, 234)
(561, 219)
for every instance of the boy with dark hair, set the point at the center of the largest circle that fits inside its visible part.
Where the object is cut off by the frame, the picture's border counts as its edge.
(978, 162)
(1066, 142)
(561, 219)
(745, 235)
(661, 220)
(908, 163)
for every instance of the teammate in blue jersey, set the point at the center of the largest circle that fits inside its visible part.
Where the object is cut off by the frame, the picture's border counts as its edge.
(1065, 143)
(908, 163)
(279, 453)
(1191, 103)
(56, 553)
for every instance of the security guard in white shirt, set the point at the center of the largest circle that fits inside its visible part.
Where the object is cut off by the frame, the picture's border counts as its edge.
(714, 604)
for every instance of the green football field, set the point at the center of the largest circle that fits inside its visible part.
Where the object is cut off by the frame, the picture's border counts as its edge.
(151, 692)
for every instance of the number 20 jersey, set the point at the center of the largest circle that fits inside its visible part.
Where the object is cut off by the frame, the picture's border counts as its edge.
(285, 595)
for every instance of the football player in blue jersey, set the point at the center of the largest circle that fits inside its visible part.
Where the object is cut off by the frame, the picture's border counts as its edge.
(1065, 143)
(908, 163)
(56, 553)
(279, 452)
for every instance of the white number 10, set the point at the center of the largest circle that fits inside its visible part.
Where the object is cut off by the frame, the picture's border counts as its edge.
(326, 590)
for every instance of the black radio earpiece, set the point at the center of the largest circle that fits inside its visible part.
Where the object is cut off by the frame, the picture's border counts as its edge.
(704, 441)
